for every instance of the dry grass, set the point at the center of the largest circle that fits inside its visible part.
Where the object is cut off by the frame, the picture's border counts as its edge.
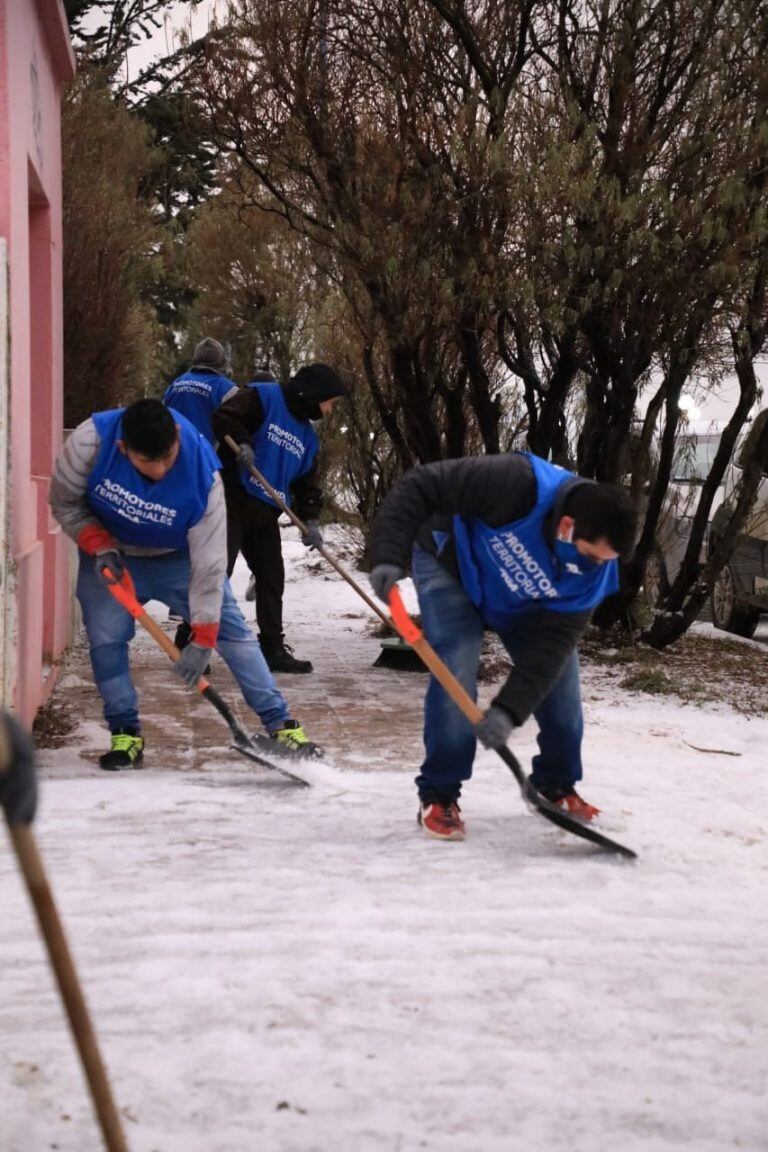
(53, 726)
(700, 670)
(696, 669)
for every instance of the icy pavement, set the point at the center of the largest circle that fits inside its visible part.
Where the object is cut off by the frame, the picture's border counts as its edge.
(274, 969)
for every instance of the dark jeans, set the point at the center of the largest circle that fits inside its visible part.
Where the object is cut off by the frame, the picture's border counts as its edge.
(454, 628)
(259, 541)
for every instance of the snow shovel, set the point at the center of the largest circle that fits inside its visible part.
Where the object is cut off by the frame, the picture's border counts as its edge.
(415, 637)
(393, 655)
(125, 594)
(32, 869)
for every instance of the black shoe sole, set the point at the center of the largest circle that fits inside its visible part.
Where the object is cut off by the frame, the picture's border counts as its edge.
(290, 669)
(123, 766)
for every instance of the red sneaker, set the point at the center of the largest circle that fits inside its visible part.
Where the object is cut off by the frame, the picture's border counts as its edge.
(442, 820)
(569, 800)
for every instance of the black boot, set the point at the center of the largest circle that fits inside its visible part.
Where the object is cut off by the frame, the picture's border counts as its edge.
(280, 658)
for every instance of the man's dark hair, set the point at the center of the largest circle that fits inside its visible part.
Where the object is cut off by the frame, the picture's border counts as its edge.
(149, 429)
(603, 512)
(264, 376)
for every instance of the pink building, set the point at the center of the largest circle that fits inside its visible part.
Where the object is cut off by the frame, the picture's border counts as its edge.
(36, 61)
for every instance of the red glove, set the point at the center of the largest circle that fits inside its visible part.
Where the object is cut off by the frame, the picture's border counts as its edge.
(94, 540)
(205, 635)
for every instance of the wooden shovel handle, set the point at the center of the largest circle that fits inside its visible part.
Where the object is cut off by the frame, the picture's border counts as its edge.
(281, 504)
(33, 871)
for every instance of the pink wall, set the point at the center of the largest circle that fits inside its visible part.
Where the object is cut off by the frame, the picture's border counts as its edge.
(35, 62)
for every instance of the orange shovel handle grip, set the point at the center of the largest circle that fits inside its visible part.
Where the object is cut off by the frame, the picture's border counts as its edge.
(409, 631)
(124, 591)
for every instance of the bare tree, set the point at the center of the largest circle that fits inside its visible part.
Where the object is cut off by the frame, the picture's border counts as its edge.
(253, 282)
(549, 203)
(375, 138)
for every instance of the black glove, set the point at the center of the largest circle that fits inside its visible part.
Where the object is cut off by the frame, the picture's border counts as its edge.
(113, 560)
(383, 579)
(18, 786)
(191, 664)
(313, 537)
(495, 728)
(245, 457)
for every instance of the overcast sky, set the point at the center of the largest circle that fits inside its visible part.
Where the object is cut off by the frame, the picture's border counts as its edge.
(179, 17)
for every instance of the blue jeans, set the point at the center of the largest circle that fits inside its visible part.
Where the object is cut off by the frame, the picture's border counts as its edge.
(110, 629)
(454, 628)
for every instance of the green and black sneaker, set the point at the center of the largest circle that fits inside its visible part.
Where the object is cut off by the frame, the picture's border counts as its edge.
(126, 752)
(293, 738)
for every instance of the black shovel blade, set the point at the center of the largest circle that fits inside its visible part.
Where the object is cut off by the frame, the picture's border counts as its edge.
(244, 744)
(246, 747)
(556, 815)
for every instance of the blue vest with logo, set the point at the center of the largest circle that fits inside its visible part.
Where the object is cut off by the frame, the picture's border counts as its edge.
(284, 446)
(511, 569)
(142, 512)
(197, 395)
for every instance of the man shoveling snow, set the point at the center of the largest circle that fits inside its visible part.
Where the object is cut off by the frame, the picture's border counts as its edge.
(521, 546)
(140, 484)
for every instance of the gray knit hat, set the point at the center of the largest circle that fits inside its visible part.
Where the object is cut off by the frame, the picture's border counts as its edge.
(210, 354)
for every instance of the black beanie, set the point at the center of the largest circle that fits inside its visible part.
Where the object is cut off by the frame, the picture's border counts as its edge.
(312, 384)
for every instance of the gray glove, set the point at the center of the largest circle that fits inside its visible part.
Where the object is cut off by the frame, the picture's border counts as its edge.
(383, 579)
(113, 560)
(18, 786)
(245, 457)
(191, 665)
(495, 728)
(313, 537)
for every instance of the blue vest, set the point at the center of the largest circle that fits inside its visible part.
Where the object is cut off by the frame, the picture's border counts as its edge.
(197, 395)
(508, 570)
(284, 446)
(137, 510)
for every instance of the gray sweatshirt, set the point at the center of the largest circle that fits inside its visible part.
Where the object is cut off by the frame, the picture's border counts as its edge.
(207, 540)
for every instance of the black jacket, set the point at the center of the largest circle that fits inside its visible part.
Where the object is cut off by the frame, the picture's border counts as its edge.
(497, 490)
(241, 416)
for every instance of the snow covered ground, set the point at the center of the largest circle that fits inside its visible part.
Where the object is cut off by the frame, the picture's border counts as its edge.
(301, 970)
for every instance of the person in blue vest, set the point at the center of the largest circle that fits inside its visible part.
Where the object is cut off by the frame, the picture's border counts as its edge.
(199, 392)
(263, 376)
(527, 549)
(273, 424)
(139, 488)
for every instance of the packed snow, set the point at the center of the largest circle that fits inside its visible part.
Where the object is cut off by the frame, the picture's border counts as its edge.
(282, 969)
